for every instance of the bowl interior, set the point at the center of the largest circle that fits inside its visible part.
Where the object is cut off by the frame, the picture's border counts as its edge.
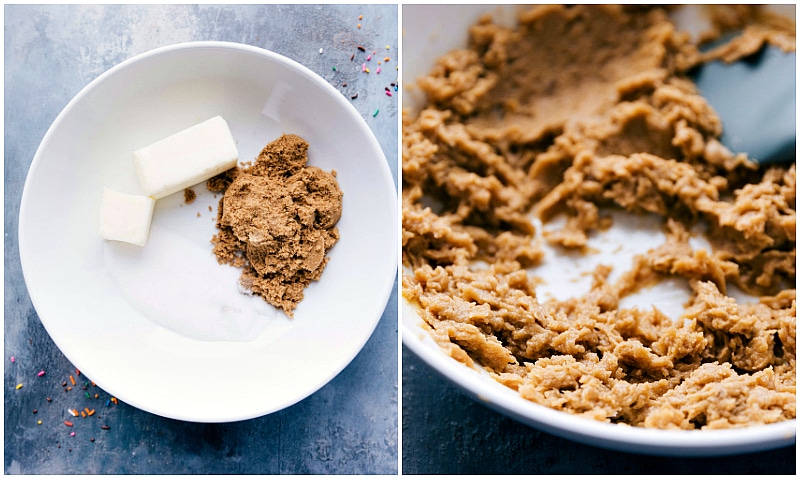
(164, 327)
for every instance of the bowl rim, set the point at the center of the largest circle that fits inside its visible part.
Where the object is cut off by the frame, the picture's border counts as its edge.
(371, 144)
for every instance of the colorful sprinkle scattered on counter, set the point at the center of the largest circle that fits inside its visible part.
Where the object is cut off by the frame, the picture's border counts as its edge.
(81, 415)
(370, 55)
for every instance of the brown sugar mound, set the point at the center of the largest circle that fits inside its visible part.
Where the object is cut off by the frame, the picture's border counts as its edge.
(576, 112)
(277, 221)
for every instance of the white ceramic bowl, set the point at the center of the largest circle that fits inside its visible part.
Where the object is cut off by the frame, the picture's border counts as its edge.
(164, 327)
(430, 31)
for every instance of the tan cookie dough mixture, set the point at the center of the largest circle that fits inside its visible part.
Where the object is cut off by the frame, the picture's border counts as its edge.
(577, 111)
(277, 220)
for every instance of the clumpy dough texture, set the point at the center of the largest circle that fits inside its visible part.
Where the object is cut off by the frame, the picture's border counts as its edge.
(574, 112)
(277, 220)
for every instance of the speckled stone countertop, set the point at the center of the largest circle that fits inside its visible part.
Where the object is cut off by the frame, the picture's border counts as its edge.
(348, 426)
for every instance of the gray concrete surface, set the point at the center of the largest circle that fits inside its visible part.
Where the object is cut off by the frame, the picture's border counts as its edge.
(350, 425)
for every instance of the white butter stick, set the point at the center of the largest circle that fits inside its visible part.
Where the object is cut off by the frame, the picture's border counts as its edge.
(186, 158)
(125, 217)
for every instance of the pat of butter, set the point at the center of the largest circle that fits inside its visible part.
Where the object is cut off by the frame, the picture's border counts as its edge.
(186, 158)
(125, 217)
